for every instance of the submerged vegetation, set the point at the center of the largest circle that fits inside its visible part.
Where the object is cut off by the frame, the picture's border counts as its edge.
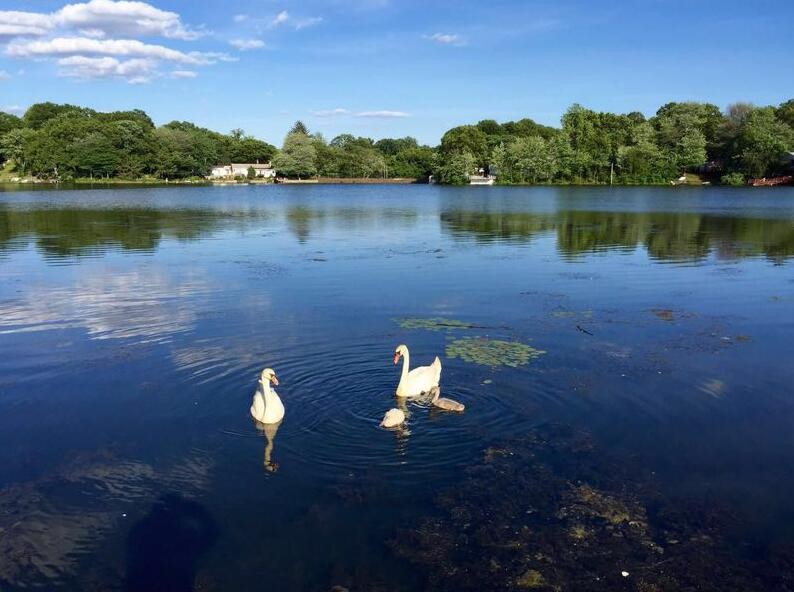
(64, 142)
(554, 511)
(492, 352)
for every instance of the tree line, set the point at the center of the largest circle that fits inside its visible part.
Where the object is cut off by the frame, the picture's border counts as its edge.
(65, 142)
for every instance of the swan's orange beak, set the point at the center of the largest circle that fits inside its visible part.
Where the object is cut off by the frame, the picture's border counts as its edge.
(396, 357)
(274, 380)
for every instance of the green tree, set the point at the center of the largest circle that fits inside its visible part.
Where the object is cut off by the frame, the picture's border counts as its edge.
(680, 134)
(671, 118)
(40, 113)
(393, 146)
(762, 141)
(456, 169)
(468, 139)
(413, 163)
(642, 160)
(9, 122)
(299, 128)
(298, 156)
(14, 146)
(785, 113)
(525, 160)
(94, 155)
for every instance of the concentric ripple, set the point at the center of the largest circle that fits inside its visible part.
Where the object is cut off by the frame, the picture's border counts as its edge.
(335, 395)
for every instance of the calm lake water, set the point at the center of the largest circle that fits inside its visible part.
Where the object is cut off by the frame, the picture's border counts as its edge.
(653, 437)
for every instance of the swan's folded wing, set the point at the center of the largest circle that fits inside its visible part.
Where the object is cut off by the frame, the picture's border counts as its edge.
(258, 405)
(427, 376)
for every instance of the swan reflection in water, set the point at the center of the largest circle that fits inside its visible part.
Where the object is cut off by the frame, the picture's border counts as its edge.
(402, 431)
(269, 430)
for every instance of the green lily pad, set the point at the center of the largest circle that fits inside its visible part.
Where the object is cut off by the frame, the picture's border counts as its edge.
(492, 352)
(433, 324)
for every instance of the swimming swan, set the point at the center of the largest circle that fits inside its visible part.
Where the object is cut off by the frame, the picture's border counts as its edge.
(419, 380)
(393, 418)
(266, 406)
(443, 403)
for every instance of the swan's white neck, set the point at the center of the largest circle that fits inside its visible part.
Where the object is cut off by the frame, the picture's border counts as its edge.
(266, 390)
(406, 363)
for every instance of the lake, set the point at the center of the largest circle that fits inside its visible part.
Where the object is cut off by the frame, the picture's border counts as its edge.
(624, 355)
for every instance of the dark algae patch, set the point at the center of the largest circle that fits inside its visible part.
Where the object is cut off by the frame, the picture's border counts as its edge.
(552, 511)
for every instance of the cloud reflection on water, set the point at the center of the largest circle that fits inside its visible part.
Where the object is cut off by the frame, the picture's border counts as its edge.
(146, 305)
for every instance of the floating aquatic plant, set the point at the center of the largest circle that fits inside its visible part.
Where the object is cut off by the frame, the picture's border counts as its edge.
(492, 352)
(434, 324)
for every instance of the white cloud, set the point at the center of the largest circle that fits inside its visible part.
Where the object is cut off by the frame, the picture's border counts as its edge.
(101, 39)
(376, 114)
(281, 18)
(135, 71)
(4, 75)
(240, 18)
(93, 33)
(65, 46)
(183, 74)
(14, 23)
(247, 44)
(99, 18)
(446, 38)
(284, 18)
(125, 18)
(383, 114)
(13, 109)
(307, 22)
(330, 112)
(87, 58)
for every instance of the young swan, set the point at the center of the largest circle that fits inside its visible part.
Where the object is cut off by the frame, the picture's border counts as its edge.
(443, 403)
(266, 406)
(393, 418)
(419, 380)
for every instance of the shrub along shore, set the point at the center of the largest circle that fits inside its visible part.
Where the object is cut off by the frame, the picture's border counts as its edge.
(66, 143)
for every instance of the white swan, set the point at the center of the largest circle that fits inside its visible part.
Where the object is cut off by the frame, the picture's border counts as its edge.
(419, 380)
(393, 418)
(266, 406)
(443, 403)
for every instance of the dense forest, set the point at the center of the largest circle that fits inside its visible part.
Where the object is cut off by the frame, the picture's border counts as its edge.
(65, 142)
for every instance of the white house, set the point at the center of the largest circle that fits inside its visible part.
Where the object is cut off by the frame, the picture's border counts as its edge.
(262, 171)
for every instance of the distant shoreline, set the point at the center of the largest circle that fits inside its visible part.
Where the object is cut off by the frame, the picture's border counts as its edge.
(109, 183)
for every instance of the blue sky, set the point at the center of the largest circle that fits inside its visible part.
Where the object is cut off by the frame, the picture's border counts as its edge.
(390, 67)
